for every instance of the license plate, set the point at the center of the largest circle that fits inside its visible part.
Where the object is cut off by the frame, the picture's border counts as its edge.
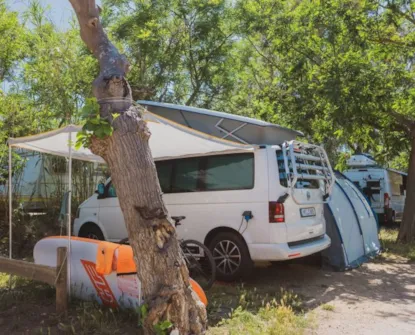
(305, 212)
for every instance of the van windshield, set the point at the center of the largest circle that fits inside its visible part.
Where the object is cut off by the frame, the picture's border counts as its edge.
(301, 183)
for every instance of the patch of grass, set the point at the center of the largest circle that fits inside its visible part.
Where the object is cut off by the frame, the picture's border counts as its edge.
(240, 309)
(91, 318)
(29, 307)
(4, 280)
(328, 307)
(22, 291)
(273, 319)
(393, 249)
(224, 299)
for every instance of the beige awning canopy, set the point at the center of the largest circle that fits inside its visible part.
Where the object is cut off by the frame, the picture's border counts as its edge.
(168, 139)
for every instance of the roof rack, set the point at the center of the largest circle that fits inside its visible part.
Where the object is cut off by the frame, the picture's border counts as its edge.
(303, 161)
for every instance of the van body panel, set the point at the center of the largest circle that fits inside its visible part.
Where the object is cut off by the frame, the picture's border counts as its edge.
(282, 251)
(208, 210)
(109, 216)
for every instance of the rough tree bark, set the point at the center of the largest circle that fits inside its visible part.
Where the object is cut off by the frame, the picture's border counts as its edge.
(161, 268)
(407, 229)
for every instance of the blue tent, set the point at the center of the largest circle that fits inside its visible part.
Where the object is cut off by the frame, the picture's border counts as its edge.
(351, 225)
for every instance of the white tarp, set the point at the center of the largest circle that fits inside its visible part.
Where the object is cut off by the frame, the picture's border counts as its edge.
(168, 139)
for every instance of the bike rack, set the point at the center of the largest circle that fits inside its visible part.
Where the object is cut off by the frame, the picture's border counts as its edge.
(304, 161)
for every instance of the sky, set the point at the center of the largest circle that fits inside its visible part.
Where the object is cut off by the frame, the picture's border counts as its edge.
(60, 11)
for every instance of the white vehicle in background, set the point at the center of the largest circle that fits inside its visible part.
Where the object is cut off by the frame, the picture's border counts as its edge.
(262, 205)
(385, 189)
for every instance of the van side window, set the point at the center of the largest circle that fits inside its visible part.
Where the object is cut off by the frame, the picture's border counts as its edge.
(208, 173)
(165, 173)
(229, 172)
(186, 175)
(111, 191)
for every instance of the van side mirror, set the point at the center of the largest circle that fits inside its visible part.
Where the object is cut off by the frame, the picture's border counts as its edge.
(101, 190)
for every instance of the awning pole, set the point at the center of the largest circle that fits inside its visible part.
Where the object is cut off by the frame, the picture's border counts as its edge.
(10, 203)
(10, 211)
(69, 212)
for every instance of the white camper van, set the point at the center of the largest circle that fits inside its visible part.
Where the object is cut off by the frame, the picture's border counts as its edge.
(385, 189)
(261, 205)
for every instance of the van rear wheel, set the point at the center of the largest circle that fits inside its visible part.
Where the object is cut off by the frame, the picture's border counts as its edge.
(231, 256)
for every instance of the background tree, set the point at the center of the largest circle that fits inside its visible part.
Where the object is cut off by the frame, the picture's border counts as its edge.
(161, 267)
(178, 49)
(341, 71)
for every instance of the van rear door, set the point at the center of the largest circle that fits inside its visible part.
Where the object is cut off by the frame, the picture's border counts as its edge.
(374, 191)
(306, 174)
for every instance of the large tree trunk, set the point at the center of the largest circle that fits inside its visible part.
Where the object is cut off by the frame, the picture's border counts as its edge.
(407, 230)
(161, 268)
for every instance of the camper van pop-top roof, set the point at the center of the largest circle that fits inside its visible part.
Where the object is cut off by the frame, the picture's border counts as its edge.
(231, 127)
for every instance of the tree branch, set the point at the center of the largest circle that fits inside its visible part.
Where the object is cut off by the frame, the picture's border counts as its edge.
(395, 9)
(110, 85)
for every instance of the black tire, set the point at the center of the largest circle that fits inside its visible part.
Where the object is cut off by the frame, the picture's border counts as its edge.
(390, 217)
(201, 269)
(238, 264)
(92, 231)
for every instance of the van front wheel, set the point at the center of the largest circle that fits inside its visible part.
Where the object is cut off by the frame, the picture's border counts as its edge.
(91, 231)
(231, 256)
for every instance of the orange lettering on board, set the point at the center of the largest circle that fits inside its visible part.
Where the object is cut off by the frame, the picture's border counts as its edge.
(100, 284)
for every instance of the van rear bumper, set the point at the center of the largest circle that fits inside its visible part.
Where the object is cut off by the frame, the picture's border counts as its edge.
(281, 251)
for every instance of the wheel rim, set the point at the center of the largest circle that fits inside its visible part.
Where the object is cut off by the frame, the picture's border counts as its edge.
(92, 236)
(227, 257)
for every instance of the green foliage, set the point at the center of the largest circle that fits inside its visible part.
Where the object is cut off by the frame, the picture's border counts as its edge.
(340, 71)
(94, 124)
(179, 50)
(160, 328)
(163, 327)
(328, 68)
(341, 162)
(46, 74)
(12, 37)
(58, 70)
(142, 312)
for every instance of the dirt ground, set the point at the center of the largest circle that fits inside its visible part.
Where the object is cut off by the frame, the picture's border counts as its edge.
(375, 299)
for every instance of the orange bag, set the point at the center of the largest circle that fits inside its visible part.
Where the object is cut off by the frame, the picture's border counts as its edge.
(105, 257)
(125, 260)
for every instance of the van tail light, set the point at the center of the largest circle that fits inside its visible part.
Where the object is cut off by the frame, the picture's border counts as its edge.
(276, 212)
(386, 200)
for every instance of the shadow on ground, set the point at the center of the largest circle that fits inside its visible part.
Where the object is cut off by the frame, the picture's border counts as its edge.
(383, 282)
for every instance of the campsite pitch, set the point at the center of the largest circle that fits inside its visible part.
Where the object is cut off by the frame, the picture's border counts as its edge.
(376, 299)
